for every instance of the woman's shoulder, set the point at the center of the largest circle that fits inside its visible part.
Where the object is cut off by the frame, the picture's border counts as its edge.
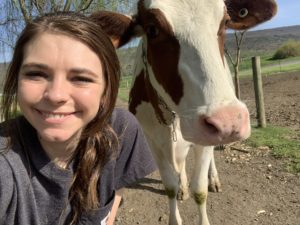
(10, 147)
(5, 133)
(7, 182)
(8, 131)
(13, 168)
(122, 115)
(9, 127)
(6, 173)
(4, 163)
(123, 119)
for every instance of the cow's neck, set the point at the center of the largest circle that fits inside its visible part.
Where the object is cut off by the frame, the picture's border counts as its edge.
(163, 112)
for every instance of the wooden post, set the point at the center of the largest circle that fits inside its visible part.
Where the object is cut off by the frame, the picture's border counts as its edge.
(259, 97)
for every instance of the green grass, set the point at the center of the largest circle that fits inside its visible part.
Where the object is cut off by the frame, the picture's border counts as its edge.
(124, 88)
(247, 63)
(281, 69)
(269, 66)
(283, 142)
(266, 60)
(272, 70)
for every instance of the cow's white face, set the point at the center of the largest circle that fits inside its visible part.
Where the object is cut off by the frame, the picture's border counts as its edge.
(194, 25)
(201, 67)
(187, 65)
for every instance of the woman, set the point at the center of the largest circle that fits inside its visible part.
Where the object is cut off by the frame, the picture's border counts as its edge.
(67, 158)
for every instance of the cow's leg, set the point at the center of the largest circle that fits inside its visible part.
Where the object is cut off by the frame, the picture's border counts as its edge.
(213, 177)
(181, 150)
(183, 193)
(164, 155)
(199, 183)
(170, 179)
(174, 177)
(168, 161)
(171, 163)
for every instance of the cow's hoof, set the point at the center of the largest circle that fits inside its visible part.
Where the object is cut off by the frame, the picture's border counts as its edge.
(214, 185)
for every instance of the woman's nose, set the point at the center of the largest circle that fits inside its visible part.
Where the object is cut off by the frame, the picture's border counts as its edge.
(57, 91)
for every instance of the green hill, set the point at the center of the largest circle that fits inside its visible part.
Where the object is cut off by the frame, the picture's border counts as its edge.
(264, 42)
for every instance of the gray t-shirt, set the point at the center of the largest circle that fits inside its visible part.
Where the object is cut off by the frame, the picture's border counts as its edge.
(34, 191)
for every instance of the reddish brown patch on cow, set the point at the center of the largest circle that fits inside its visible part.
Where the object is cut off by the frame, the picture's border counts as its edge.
(119, 28)
(163, 50)
(138, 93)
(222, 34)
(143, 91)
(259, 11)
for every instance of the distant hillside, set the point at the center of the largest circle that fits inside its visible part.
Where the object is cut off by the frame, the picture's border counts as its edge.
(264, 42)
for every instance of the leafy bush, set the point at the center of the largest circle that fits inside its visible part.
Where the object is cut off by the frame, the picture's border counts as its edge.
(289, 49)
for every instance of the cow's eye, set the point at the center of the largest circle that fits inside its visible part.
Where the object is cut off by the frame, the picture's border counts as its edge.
(152, 31)
(243, 12)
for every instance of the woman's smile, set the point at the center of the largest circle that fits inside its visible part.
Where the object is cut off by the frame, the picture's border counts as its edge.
(56, 117)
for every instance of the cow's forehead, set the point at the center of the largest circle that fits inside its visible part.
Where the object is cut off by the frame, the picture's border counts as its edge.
(186, 16)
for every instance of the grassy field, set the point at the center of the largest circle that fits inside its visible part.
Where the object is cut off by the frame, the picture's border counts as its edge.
(270, 66)
(267, 61)
(125, 85)
(283, 142)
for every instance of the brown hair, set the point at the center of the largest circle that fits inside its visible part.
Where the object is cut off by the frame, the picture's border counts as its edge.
(98, 141)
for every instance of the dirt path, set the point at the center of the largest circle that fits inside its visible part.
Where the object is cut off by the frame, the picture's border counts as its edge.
(256, 188)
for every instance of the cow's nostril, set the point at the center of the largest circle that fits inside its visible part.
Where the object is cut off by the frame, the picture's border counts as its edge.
(210, 126)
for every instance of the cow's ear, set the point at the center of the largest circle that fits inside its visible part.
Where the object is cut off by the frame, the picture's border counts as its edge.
(120, 28)
(246, 14)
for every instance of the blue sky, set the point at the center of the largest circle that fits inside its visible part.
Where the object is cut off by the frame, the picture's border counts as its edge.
(288, 14)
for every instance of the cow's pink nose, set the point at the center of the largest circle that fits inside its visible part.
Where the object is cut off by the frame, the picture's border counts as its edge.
(227, 124)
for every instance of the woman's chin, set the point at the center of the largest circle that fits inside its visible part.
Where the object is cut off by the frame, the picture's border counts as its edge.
(56, 137)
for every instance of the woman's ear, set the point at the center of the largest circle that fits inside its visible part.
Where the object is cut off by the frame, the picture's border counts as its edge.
(246, 14)
(120, 28)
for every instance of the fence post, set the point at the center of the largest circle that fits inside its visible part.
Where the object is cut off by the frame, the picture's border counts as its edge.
(259, 97)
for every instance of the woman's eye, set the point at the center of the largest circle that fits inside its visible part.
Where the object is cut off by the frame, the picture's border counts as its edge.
(82, 79)
(35, 74)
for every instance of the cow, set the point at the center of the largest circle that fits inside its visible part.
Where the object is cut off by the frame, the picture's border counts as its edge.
(182, 90)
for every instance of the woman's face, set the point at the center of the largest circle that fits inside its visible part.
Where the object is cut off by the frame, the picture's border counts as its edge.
(60, 85)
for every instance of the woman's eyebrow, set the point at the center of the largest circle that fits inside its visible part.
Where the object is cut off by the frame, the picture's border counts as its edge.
(46, 67)
(34, 66)
(84, 71)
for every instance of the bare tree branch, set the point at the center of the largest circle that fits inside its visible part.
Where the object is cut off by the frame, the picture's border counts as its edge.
(38, 6)
(229, 56)
(7, 21)
(242, 33)
(239, 36)
(16, 13)
(22, 5)
(67, 6)
(85, 6)
(7, 43)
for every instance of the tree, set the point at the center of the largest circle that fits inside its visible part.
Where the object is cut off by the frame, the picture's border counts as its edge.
(239, 36)
(14, 14)
(291, 48)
